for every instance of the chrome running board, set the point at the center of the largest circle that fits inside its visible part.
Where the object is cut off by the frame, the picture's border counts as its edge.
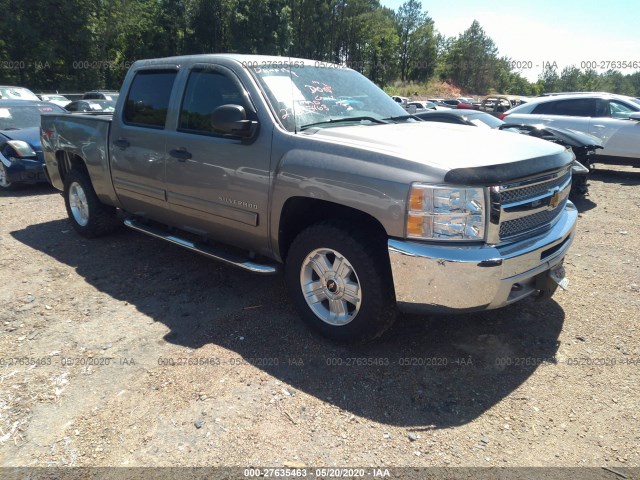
(203, 249)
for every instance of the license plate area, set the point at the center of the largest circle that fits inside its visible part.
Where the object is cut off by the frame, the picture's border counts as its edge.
(558, 275)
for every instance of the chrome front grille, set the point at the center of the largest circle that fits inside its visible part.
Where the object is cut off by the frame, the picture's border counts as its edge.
(512, 228)
(528, 206)
(517, 194)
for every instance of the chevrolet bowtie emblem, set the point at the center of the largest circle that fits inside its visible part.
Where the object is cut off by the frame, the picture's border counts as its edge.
(554, 200)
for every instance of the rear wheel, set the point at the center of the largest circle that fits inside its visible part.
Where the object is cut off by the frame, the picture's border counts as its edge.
(89, 217)
(341, 283)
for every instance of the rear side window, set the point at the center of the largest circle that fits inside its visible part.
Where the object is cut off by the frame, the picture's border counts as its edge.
(148, 98)
(581, 107)
(207, 90)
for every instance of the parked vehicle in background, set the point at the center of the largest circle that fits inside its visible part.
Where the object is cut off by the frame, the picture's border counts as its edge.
(59, 100)
(422, 105)
(461, 117)
(498, 104)
(17, 93)
(402, 101)
(110, 95)
(369, 210)
(21, 159)
(104, 106)
(583, 145)
(614, 119)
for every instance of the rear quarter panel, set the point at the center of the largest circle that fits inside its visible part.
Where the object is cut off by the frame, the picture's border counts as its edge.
(84, 136)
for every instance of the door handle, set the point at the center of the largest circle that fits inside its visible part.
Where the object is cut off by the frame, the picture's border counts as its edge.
(121, 143)
(181, 154)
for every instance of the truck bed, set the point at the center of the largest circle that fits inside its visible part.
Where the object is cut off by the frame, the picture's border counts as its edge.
(84, 135)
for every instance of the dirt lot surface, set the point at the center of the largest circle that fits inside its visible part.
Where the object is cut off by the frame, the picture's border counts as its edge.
(126, 351)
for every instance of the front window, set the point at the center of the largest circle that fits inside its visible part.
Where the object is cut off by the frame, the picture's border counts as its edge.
(208, 89)
(309, 95)
(619, 110)
(485, 121)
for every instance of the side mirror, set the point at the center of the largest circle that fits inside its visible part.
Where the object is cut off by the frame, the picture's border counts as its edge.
(231, 119)
(635, 116)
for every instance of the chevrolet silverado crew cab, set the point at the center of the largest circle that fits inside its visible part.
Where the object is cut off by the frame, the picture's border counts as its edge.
(264, 162)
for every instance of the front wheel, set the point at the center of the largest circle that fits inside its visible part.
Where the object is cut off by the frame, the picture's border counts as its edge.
(5, 184)
(89, 217)
(340, 281)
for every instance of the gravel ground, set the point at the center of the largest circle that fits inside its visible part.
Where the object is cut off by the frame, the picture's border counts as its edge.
(126, 351)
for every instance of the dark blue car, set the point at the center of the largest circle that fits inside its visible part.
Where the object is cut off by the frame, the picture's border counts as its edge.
(21, 159)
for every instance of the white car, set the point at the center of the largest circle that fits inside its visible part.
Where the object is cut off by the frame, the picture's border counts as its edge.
(614, 119)
(59, 100)
(17, 93)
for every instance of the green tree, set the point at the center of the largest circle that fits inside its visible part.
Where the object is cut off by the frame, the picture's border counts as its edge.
(409, 18)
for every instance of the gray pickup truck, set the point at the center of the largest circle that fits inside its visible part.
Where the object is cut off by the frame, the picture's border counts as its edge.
(265, 161)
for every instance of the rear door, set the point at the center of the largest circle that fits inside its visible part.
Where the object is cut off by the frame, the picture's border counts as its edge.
(137, 142)
(573, 113)
(217, 185)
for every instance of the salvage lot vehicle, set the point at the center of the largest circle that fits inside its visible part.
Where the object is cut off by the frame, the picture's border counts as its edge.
(21, 158)
(482, 230)
(91, 106)
(17, 93)
(614, 119)
(496, 105)
(59, 100)
(110, 95)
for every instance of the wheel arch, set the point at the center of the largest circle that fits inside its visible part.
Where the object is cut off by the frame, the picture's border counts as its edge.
(299, 213)
(68, 161)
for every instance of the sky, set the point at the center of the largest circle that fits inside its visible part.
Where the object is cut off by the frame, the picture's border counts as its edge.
(567, 32)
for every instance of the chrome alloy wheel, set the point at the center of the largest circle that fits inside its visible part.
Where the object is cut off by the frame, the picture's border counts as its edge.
(330, 286)
(78, 203)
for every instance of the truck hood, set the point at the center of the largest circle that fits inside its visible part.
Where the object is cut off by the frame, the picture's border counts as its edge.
(469, 154)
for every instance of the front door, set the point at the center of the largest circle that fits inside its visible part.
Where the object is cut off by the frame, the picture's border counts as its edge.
(218, 185)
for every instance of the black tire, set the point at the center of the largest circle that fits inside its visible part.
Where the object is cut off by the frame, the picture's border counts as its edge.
(101, 219)
(368, 258)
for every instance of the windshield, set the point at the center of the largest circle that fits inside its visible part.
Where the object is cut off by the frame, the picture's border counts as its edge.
(17, 93)
(307, 95)
(24, 116)
(485, 121)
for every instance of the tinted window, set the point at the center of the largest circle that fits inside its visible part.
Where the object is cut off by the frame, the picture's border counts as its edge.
(580, 107)
(148, 98)
(207, 90)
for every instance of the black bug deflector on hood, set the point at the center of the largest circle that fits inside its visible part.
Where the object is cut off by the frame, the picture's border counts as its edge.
(507, 172)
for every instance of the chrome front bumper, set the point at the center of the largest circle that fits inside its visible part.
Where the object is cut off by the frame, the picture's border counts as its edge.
(437, 278)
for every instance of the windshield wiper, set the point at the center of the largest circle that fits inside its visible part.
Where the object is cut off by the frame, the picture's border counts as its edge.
(344, 119)
(403, 117)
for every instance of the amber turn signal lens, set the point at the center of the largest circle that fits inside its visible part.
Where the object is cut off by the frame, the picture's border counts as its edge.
(416, 199)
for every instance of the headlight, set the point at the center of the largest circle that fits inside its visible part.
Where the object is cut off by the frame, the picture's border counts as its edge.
(445, 213)
(22, 149)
